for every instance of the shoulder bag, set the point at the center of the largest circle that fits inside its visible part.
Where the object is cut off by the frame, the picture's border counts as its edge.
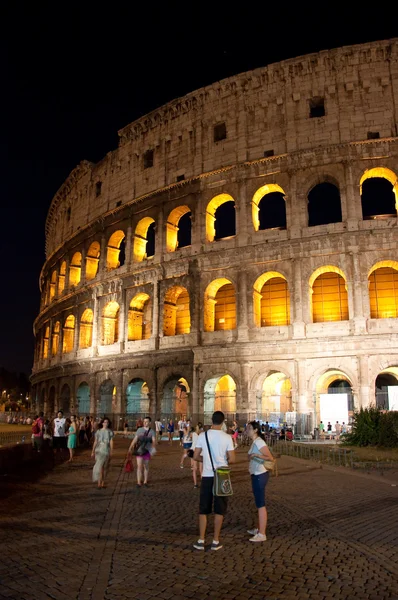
(267, 464)
(141, 447)
(222, 485)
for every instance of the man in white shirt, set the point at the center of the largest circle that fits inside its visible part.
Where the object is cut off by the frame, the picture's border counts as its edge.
(181, 427)
(59, 435)
(222, 453)
(158, 427)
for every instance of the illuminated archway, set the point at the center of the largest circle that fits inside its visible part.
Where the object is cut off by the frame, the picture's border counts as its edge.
(75, 269)
(381, 205)
(211, 208)
(55, 338)
(110, 323)
(61, 278)
(113, 250)
(328, 295)
(175, 397)
(46, 341)
(139, 317)
(173, 241)
(68, 335)
(220, 394)
(107, 398)
(83, 399)
(141, 238)
(333, 397)
(92, 260)
(276, 398)
(220, 305)
(86, 329)
(383, 290)
(137, 398)
(261, 193)
(176, 313)
(271, 300)
(386, 389)
(53, 285)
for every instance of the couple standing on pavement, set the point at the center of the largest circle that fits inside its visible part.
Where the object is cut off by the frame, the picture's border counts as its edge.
(223, 453)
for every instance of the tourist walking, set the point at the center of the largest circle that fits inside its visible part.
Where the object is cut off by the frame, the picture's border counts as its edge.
(197, 467)
(235, 433)
(258, 452)
(222, 452)
(181, 427)
(143, 447)
(37, 432)
(102, 450)
(158, 427)
(170, 430)
(72, 437)
(59, 432)
(186, 444)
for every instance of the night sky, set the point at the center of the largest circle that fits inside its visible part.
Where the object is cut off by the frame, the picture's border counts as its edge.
(73, 76)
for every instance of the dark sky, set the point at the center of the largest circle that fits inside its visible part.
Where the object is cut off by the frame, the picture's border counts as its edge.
(73, 75)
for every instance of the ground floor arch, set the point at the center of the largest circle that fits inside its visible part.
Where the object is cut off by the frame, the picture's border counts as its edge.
(51, 401)
(137, 397)
(274, 400)
(386, 389)
(107, 397)
(83, 399)
(333, 399)
(64, 398)
(220, 394)
(175, 398)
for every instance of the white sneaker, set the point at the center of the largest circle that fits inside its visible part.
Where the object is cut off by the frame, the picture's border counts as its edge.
(252, 531)
(259, 537)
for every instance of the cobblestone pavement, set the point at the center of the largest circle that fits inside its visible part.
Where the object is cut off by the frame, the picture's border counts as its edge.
(331, 534)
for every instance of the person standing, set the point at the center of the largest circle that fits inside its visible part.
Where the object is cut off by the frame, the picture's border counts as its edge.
(222, 452)
(102, 450)
(72, 437)
(337, 428)
(329, 427)
(37, 432)
(170, 430)
(82, 431)
(59, 435)
(186, 444)
(158, 427)
(145, 440)
(181, 427)
(195, 465)
(321, 428)
(258, 452)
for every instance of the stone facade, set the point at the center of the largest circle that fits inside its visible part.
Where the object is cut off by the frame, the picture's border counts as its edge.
(330, 118)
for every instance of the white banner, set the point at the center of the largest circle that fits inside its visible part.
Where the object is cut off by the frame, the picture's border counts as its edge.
(392, 397)
(333, 407)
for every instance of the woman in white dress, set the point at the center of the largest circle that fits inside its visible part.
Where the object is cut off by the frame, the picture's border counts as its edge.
(102, 450)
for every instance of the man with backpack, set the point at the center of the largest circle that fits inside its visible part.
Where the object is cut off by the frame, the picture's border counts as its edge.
(37, 431)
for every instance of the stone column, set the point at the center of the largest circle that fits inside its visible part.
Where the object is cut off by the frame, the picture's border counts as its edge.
(76, 332)
(122, 320)
(296, 295)
(129, 250)
(357, 296)
(119, 404)
(242, 316)
(301, 399)
(246, 405)
(96, 323)
(155, 313)
(102, 258)
(243, 219)
(352, 199)
(83, 267)
(93, 394)
(365, 395)
(195, 393)
(159, 239)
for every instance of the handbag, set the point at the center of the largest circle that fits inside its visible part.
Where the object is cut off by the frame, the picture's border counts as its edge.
(129, 467)
(222, 485)
(141, 448)
(270, 465)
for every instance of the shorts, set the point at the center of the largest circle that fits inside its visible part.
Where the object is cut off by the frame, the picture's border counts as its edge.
(187, 445)
(206, 499)
(258, 486)
(59, 442)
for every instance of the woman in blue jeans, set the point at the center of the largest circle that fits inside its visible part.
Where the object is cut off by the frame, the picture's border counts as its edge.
(258, 453)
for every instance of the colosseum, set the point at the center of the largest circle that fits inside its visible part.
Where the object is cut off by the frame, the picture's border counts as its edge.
(237, 251)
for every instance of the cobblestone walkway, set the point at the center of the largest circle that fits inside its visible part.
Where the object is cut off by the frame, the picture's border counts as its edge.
(331, 534)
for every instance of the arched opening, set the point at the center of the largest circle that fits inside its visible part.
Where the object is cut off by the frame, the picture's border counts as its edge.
(83, 399)
(61, 278)
(379, 194)
(68, 335)
(220, 394)
(107, 398)
(137, 398)
(178, 228)
(328, 294)
(46, 341)
(271, 300)
(51, 402)
(333, 399)
(86, 329)
(53, 285)
(92, 260)
(386, 389)
(220, 306)
(110, 323)
(176, 314)
(64, 399)
(144, 239)
(175, 398)
(75, 268)
(324, 205)
(220, 218)
(383, 290)
(55, 338)
(269, 208)
(275, 402)
(140, 318)
(114, 250)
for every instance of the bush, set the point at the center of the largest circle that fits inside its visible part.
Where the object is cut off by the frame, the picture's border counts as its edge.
(372, 427)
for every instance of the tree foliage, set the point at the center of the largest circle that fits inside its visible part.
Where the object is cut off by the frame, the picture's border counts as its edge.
(373, 427)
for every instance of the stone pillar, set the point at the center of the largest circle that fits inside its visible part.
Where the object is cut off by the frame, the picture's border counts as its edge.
(129, 250)
(195, 408)
(365, 395)
(102, 258)
(246, 405)
(301, 399)
(118, 408)
(83, 267)
(243, 219)
(76, 333)
(155, 313)
(352, 199)
(242, 316)
(96, 323)
(93, 394)
(357, 294)
(122, 320)
(159, 239)
(296, 295)
(298, 217)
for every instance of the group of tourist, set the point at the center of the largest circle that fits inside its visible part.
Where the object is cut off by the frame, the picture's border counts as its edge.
(61, 434)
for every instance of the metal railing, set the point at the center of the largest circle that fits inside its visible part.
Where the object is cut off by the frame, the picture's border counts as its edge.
(14, 437)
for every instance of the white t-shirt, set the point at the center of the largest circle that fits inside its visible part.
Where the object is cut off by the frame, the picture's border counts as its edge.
(158, 425)
(256, 467)
(59, 427)
(181, 425)
(195, 438)
(220, 443)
